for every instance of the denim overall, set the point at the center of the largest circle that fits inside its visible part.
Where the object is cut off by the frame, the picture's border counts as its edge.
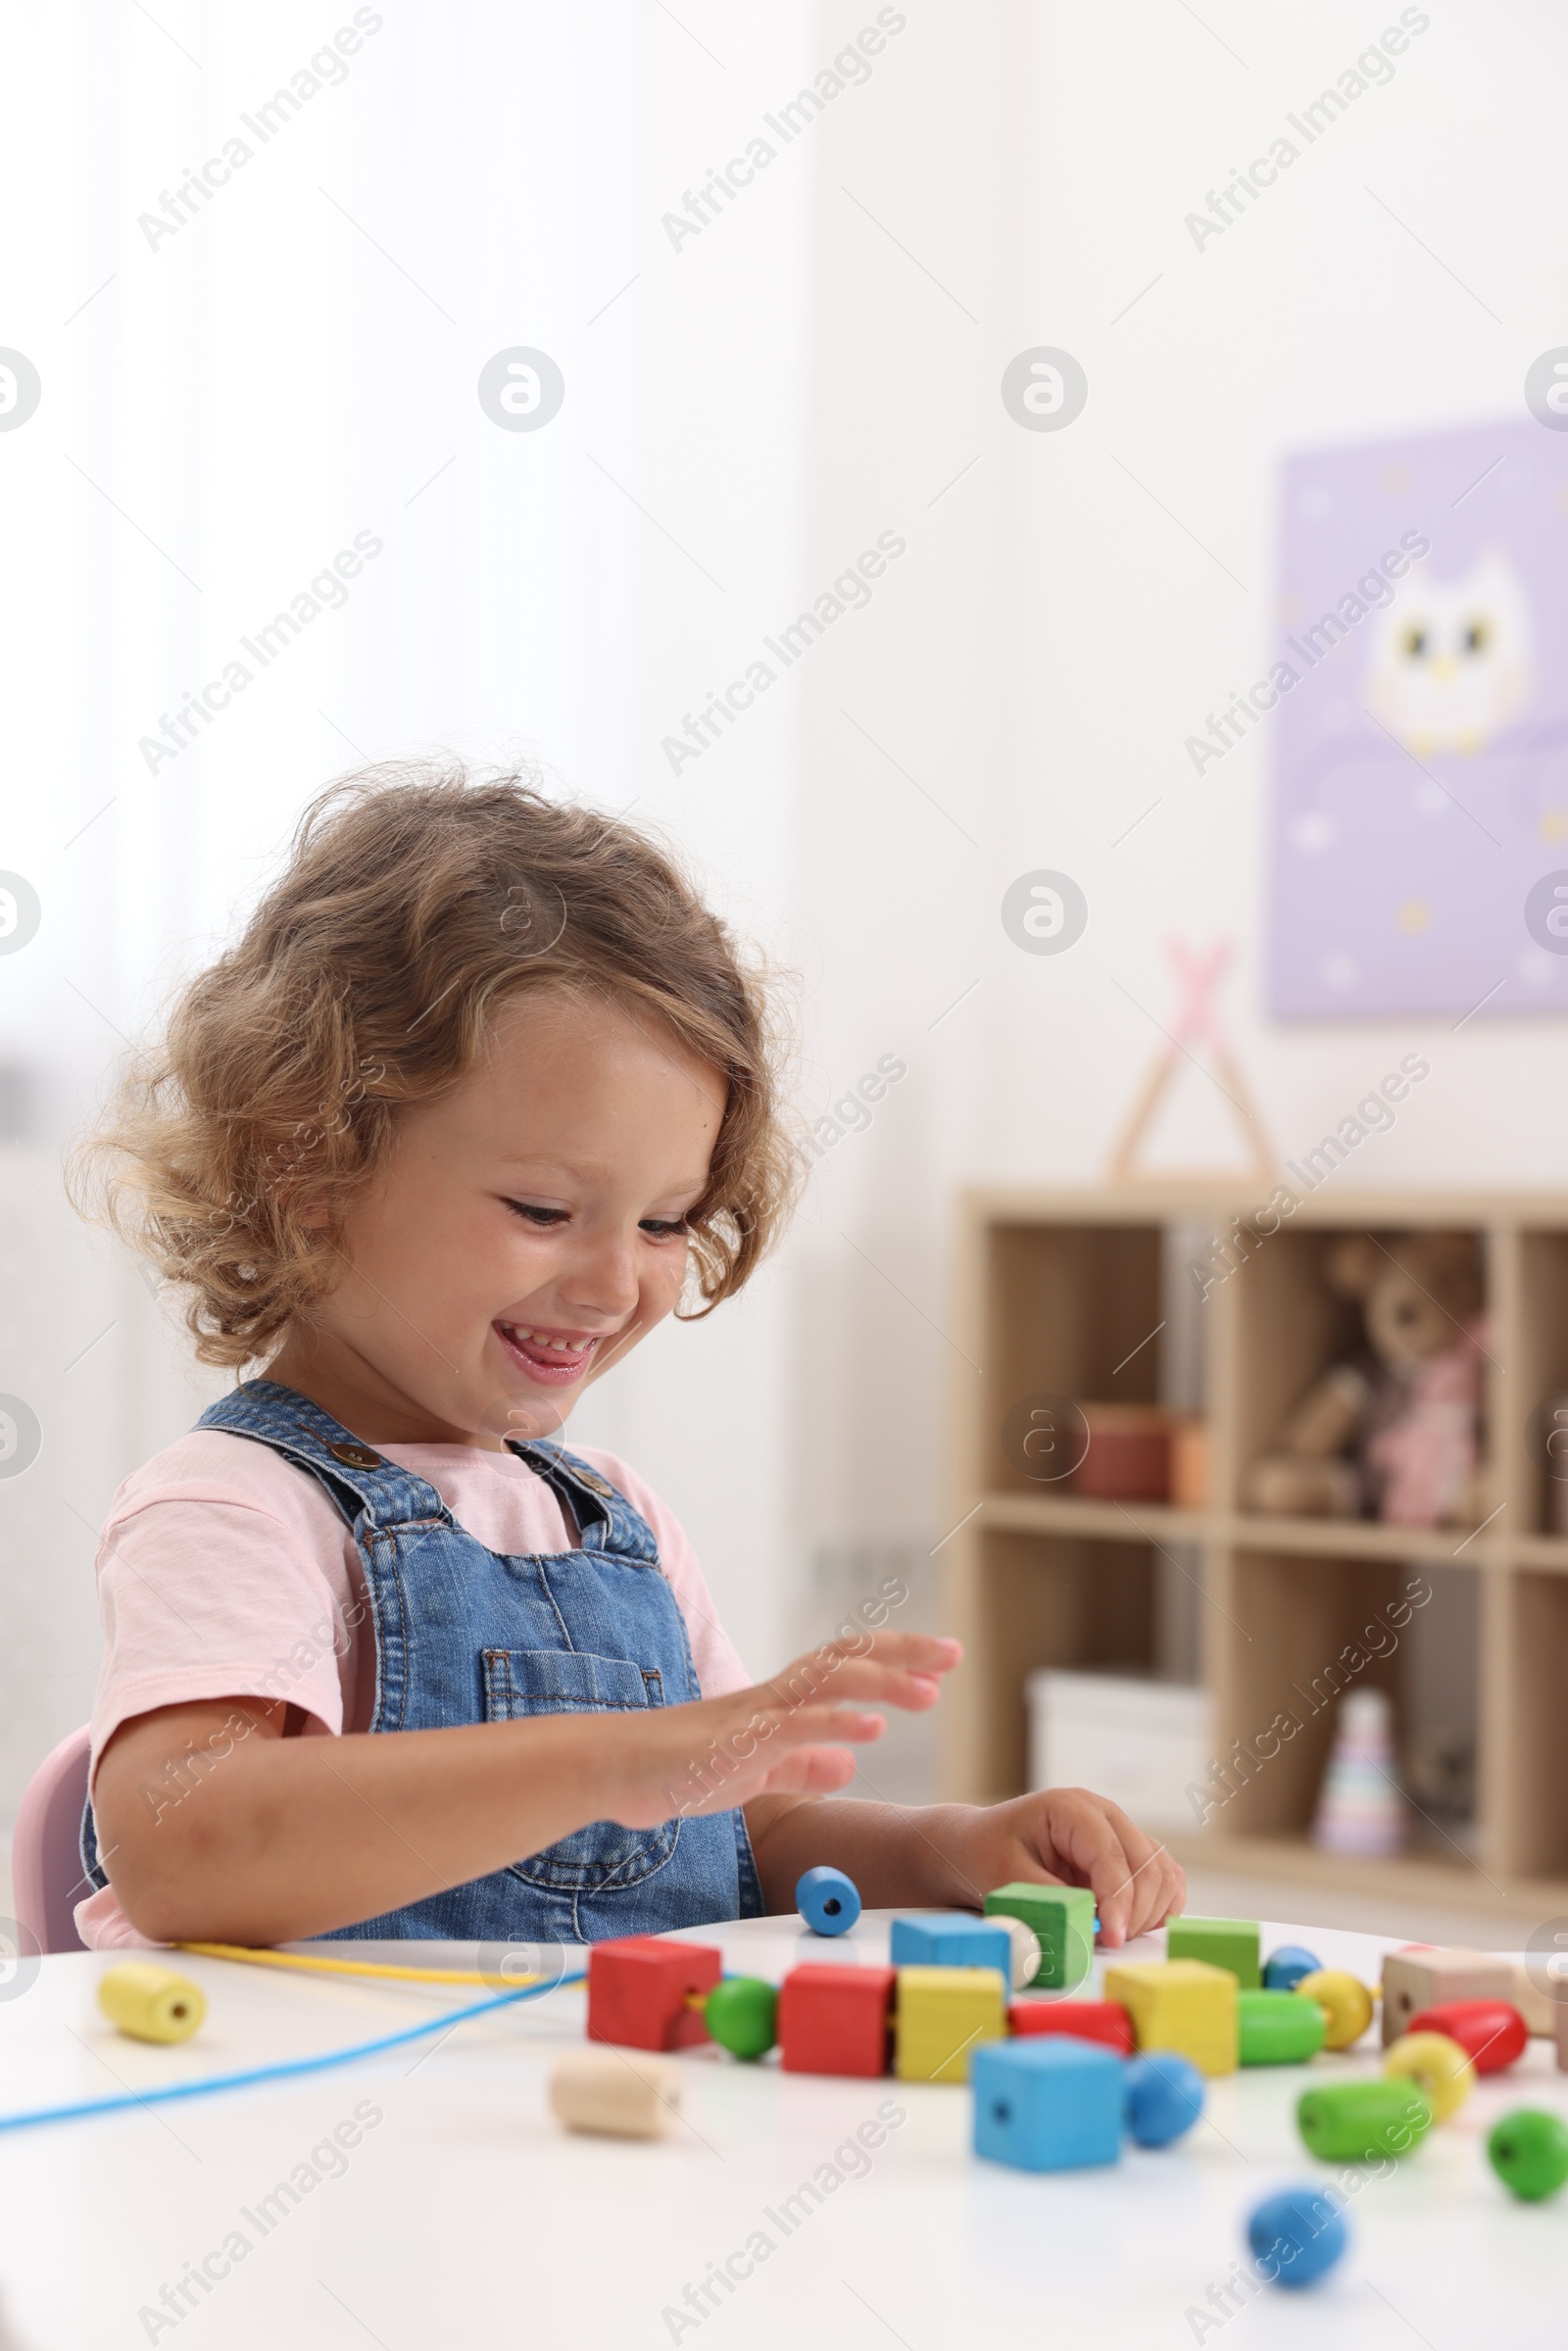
(464, 1635)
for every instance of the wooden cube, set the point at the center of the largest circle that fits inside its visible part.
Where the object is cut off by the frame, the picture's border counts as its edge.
(1048, 2105)
(951, 1938)
(1534, 2001)
(1422, 1976)
(1064, 1918)
(638, 1990)
(835, 2019)
(1181, 2004)
(1104, 2021)
(942, 2013)
(1223, 1943)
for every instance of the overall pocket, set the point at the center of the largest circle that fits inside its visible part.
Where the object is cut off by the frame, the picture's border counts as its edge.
(519, 1683)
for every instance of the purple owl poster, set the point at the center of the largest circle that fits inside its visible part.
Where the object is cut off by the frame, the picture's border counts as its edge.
(1421, 739)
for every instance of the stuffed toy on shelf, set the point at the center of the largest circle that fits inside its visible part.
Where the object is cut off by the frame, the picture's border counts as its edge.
(1396, 1434)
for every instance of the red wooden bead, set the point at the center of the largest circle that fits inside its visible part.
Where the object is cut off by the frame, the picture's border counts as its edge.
(638, 1986)
(835, 2019)
(1087, 2020)
(1492, 2032)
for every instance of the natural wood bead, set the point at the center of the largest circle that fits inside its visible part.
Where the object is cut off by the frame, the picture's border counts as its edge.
(615, 2093)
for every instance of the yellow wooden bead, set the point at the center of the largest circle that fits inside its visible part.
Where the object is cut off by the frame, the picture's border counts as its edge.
(1346, 2002)
(1438, 2066)
(151, 2002)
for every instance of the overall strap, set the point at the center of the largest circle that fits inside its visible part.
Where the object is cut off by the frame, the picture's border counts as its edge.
(366, 1488)
(605, 1520)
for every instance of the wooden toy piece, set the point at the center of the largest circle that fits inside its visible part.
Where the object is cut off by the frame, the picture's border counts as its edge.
(1180, 2004)
(1562, 2039)
(1064, 1918)
(151, 2002)
(1162, 2097)
(1046, 2105)
(1104, 2021)
(1528, 2152)
(614, 2093)
(940, 2015)
(1355, 2122)
(1422, 1976)
(1222, 1942)
(741, 2014)
(1026, 1951)
(1295, 2237)
(951, 1938)
(1283, 1968)
(1439, 2068)
(835, 2019)
(828, 1901)
(1278, 2027)
(1346, 2002)
(638, 1987)
(1491, 2032)
(1533, 2001)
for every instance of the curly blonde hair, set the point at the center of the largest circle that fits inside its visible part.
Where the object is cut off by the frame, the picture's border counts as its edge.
(416, 903)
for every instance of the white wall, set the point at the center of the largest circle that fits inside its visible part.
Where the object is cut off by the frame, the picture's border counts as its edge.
(816, 368)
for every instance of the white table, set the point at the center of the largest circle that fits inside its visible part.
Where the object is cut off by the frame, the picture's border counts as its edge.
(466, 2215)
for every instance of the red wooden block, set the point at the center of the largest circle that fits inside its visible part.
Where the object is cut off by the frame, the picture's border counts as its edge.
(1104, 2021)
(637, 1990)
(836, 2019)
(1492, 2032)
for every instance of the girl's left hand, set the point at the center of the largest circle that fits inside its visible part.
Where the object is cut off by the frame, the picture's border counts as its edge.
(1067, 1836)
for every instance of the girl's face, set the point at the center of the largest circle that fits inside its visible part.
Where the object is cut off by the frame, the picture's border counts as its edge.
(523, 1233)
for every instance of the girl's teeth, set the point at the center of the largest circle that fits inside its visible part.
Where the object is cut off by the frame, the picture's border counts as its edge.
(560, 1346)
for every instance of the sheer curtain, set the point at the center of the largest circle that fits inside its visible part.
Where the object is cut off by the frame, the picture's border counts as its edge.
(261, 529)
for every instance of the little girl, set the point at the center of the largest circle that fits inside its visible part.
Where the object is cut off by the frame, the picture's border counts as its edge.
(481, 1095)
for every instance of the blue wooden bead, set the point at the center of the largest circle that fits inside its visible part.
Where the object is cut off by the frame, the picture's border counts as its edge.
(1164, 2095)
(1283, 1968)
(953, 1938)
(828, 1901)
(1298, 2234)
(1050, 2104)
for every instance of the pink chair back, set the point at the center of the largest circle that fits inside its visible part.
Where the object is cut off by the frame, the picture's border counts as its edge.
(46, 1848)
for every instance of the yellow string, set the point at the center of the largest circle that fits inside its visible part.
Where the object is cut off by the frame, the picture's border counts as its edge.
(252, 1957)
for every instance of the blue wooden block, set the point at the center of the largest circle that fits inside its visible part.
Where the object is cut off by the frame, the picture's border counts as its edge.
(828, 1901)
(953, 1938)
(1052, 2104)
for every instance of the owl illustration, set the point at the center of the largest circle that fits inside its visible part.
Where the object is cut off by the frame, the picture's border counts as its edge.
(1452, 661)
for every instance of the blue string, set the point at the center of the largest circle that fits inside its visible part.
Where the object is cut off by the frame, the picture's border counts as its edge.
(277, 2073)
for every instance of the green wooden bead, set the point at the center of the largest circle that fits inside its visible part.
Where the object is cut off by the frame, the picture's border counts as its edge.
(741, 2014)
(1357, 2121)
(1278, 2027)
(1064, 1918)
(1528, 2152)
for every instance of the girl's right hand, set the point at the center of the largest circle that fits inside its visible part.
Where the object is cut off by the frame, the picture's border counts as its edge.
(778, 1737)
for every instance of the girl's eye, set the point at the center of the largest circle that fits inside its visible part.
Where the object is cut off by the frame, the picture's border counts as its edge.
(534, 1216)
(664, 1228)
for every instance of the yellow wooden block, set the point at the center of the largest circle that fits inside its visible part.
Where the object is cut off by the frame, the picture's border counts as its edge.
(941, 2013)
(1180, 2004)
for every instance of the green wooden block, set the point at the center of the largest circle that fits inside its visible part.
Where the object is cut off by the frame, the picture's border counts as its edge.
(1222, 1942)
(1063, 1918)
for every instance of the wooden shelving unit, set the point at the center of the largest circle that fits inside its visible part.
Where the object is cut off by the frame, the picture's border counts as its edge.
(1078, 1294)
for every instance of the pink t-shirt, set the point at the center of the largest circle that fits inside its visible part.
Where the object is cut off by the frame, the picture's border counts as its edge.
(225, 1572)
